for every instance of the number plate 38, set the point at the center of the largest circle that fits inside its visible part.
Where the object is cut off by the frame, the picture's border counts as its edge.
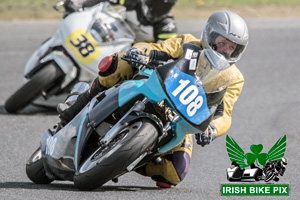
(83, 45)
(188, 96)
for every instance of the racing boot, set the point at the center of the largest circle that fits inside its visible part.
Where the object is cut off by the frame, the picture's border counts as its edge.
(68, 112)
(163, 185)
(160, 181)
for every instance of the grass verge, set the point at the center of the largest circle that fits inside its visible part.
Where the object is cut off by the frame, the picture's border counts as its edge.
(184, 9)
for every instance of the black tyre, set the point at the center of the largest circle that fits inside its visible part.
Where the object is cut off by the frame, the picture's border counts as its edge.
(106, 163)
(35, 170)
(32, 89)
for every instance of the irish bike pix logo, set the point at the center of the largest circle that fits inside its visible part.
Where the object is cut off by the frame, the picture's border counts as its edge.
(255, 166)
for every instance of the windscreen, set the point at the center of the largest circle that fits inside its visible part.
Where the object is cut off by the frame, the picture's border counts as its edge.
(109, 25)
(213, 72)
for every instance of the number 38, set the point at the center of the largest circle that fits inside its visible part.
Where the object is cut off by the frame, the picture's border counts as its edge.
(189, 97)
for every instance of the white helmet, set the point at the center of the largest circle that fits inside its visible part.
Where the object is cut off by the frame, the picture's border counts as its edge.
(230, 26)
(283, 161)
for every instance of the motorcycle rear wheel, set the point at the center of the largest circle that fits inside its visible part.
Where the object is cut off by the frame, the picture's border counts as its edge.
(33, 88)
(106, 163)
(35, 169)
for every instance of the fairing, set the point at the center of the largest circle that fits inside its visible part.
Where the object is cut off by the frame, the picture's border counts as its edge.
(182, 89)
(59, 150)
(62, 152)
(77, 48)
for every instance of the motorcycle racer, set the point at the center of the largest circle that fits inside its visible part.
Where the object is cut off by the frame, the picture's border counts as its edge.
(154, 13)
(276, 167)
(226, 34)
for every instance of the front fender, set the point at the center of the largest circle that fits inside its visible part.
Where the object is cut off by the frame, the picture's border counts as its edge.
(135, 115)
(64, 63)
(39, 53)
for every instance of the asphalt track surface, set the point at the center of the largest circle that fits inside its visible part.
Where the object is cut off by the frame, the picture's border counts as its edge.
(267, 109)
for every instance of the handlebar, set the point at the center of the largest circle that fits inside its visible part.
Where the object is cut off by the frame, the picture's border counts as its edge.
(150, 65)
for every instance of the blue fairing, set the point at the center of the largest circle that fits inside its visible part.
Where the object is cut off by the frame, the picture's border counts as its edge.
(192, 93)
(188, 96)
(150, 88)
(181, 129)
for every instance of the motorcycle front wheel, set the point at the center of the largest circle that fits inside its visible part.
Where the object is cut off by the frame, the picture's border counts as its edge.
(108, 162)
(43, 79)
(35, 169)
(269, 175)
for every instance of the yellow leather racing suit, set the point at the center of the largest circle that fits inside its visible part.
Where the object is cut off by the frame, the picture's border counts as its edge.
(175, 164)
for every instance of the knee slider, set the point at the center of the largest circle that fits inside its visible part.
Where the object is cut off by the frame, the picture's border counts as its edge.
(108, 65)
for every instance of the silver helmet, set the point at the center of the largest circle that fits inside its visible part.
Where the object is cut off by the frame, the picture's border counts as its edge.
(230, 26)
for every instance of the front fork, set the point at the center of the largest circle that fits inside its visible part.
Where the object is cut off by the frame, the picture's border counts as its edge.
(123, 122)
(126, 119)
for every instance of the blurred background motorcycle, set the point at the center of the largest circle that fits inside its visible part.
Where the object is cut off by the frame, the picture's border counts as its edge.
(73, 54)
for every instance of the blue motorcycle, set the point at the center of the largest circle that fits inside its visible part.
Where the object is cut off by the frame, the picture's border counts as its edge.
(128, 125)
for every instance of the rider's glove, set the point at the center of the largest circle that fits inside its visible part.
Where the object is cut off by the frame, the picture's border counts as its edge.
(138, 55)
(207, 136)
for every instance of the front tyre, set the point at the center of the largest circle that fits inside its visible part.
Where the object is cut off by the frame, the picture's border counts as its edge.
(108, 162)
(43, 79)
(269, 175)
(35, 169)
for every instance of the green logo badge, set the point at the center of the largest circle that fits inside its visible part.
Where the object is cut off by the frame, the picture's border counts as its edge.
(236, 153)
(263, 166)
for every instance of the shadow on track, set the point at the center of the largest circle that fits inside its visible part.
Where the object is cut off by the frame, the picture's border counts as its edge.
(30, 110)
(71, 187)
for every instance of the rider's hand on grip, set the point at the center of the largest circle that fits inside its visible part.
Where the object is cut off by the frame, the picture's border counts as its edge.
(207, 136)
(136, 54)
